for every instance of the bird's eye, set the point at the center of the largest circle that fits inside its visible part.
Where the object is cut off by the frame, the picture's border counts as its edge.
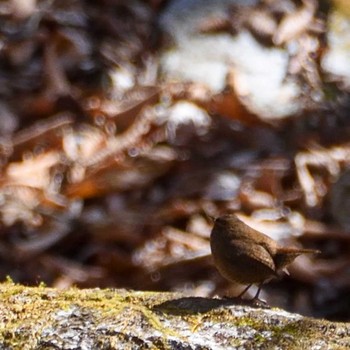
(219, 221)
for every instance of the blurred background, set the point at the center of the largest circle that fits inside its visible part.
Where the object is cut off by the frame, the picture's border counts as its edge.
(126, 125)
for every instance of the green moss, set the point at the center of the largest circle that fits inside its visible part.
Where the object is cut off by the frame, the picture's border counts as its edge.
(45, 302)
(26, 312)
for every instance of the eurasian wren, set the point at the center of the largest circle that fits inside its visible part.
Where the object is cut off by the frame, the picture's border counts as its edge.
(246, 256)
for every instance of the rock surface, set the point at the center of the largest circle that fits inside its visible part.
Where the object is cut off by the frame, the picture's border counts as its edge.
(45, 318)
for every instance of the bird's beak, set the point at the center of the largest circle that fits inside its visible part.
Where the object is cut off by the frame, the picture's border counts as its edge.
(212, 219)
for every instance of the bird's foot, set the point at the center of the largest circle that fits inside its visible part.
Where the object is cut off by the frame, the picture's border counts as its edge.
(254, 302)
(259, 303)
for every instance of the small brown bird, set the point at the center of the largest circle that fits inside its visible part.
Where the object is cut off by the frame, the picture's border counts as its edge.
(246, 256)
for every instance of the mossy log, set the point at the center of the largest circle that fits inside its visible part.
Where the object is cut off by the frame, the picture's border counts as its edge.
(46, 318)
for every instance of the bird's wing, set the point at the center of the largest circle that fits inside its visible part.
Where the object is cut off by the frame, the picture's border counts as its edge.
(249, 250)
(252, 234)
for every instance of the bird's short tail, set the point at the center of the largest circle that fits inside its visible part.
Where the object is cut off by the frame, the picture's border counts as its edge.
(285, 256)
(297, 251)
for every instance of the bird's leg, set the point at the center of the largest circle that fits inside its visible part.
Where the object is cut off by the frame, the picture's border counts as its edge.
(256, 297)
(244, 291)
(239, 296)
(254, 301)
(259, 302)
